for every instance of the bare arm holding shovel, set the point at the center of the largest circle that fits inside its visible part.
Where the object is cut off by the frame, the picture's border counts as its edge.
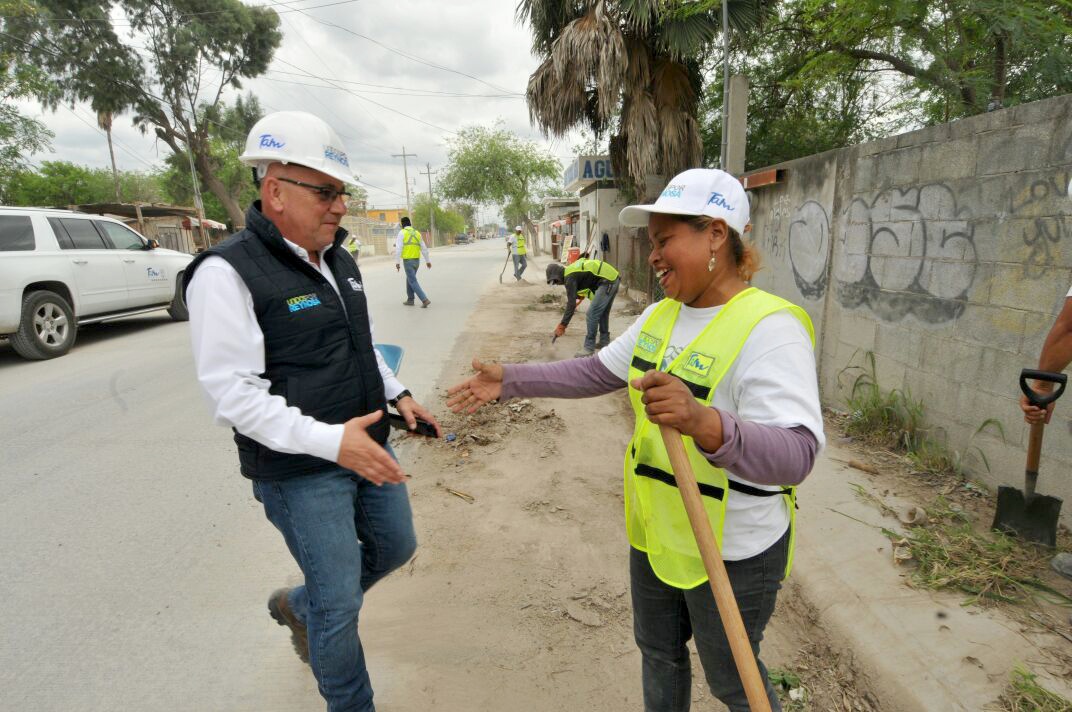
(1055, 356)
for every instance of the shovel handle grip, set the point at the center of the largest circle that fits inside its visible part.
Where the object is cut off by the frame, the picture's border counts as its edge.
(1037, 399)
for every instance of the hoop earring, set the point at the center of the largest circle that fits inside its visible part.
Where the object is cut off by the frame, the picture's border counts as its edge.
(711, 264)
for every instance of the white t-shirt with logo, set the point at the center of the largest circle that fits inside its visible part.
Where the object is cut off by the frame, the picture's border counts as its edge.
(772, 382)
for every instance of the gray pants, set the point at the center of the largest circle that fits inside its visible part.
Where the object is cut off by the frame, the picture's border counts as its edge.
(520, 263)
(664, 618)
(599, 315)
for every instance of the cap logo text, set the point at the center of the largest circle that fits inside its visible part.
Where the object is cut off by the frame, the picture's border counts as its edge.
(270, 141)
(719, 200)
(672, 191)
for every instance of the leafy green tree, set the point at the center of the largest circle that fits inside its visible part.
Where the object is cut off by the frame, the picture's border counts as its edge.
(492, 165)
(798, 109)
(227, 127)
(956, 57)
(193, 51)
(448, 222)
(20, 136)
(60, 183)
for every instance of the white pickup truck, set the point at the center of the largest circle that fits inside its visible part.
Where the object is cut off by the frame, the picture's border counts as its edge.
(60, 270)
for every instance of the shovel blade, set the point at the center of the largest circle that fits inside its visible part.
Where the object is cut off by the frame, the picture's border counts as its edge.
(1032, 519)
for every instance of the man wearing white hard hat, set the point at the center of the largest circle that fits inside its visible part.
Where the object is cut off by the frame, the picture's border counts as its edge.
(283, 346)
(515, 244)
(732, 368)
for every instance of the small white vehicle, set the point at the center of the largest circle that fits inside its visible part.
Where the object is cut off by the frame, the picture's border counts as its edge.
(61, 269)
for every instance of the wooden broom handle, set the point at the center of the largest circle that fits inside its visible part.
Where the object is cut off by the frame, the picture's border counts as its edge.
(754, 688)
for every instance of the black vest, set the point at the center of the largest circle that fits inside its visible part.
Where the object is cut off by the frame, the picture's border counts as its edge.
(318, 356)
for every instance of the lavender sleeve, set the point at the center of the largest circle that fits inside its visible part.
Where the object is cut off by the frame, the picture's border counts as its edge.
(574, 378)
(764, 454)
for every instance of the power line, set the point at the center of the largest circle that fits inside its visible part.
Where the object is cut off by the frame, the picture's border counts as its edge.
(114, 140)
(396, 50)
(372, 101)
(433, 95)
(417, 92)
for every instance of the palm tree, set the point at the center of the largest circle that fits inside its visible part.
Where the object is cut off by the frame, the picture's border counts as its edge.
(631, 68)
(104, 121)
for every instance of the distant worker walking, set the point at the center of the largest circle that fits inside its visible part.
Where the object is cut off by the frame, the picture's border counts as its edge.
(409, 248)
(592, 279)
(516, 244)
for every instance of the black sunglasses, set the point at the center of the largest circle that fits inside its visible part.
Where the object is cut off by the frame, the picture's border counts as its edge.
(326, 192)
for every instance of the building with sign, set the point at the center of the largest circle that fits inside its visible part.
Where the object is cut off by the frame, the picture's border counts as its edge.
(592, 178)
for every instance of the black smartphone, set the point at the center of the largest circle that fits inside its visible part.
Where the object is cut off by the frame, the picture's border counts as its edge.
(423, 427)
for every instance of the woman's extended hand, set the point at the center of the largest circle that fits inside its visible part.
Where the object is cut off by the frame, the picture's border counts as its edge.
(667, 401)
(482, 388)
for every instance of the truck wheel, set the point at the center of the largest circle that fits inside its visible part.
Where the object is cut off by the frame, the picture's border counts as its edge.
(178, 310)
(47, 328)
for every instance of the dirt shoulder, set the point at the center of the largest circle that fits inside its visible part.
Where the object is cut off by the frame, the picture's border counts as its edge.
(518, 598)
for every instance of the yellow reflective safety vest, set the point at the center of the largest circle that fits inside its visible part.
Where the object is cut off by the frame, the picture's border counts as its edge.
(597, 267)
(411, 243)
(654, 513)
(520, 242)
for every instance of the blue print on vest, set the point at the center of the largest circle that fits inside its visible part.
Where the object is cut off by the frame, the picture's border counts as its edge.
(719, 200)
(304, 301)
(270, 141)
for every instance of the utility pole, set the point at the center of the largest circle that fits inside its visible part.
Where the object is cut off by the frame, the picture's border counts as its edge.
(431, 197)
(725, 83)
(405, 173)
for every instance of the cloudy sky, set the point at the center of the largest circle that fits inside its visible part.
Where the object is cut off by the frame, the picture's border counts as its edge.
(363, 65)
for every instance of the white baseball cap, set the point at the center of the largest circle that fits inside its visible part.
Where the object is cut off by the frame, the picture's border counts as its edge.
(517, 229)
(697, 191)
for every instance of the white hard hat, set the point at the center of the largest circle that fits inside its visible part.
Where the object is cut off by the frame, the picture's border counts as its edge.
(300, 138)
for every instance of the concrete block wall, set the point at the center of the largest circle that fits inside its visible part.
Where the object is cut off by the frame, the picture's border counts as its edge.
(947, 253)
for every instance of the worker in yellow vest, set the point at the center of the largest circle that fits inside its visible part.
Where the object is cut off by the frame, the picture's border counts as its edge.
(587, 279)
(515, 244)
(733, 369)
(409, 248)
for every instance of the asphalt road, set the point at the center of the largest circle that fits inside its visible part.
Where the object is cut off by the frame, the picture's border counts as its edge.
(135, 562)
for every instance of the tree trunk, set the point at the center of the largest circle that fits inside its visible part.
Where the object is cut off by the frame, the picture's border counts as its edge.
(104, 120)
(235, 212)
(115, 172)
(997, 91)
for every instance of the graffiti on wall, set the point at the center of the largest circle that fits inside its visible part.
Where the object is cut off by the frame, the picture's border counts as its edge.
(1043, 233)
(809, 248)
(907, 252)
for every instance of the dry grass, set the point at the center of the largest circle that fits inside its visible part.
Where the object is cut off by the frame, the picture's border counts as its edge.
(1024, 694)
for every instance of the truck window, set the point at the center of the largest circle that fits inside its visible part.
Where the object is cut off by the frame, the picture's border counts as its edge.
(83, 234)
(122, 238)
(16, 233)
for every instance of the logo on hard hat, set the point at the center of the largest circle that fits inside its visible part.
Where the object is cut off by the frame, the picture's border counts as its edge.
(270, 141)
(333, 154)
(719, 200)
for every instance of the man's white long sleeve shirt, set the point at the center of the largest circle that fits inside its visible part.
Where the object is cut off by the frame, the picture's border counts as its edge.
(228, 347)
(400, 241)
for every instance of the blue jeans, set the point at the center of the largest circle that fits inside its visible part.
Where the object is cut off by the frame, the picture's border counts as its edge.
(598, 318)
(411, 267)
(346, 534)
(520, 263)
(664, 618)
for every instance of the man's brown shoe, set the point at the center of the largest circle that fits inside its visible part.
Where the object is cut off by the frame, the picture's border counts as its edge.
(279, 609)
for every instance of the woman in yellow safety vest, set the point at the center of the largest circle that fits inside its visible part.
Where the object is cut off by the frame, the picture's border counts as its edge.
(733, 369)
